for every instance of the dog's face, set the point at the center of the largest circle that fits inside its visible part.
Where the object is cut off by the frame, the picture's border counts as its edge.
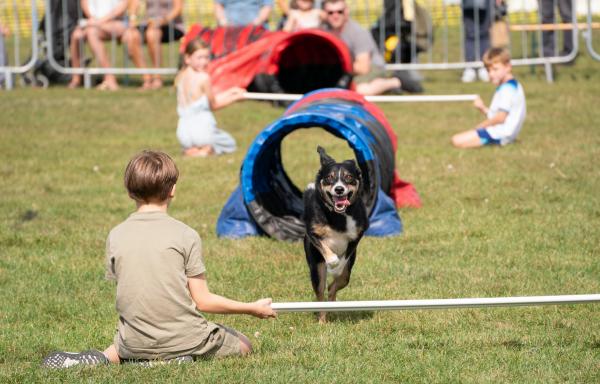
(338, 183)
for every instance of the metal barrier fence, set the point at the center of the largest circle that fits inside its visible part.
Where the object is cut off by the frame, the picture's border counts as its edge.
(13, 37)
(589, 35)
(413, 35)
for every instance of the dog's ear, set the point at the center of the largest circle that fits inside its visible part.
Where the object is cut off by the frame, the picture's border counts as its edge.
(325, 158)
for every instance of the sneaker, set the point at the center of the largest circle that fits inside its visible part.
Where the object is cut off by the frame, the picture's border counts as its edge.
(71, 359)
(483, 75)
(468, 75)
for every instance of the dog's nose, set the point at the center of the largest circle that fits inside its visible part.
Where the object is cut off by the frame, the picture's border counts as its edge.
(339, 190)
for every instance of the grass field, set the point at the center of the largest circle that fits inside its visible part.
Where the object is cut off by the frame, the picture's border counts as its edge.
(514, 221)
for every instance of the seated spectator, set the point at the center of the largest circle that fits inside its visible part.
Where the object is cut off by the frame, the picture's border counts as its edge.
(304, 17)
(102, 21)
(243, 12)
(368, 65)
(163, 24)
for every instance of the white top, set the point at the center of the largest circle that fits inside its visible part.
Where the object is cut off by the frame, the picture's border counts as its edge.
(101, 8)
(510, 98)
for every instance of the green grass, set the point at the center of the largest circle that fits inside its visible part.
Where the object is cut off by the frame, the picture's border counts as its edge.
(514, 221)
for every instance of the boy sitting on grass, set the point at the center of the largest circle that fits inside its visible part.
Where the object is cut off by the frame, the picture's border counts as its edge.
(161, 282)
(506, 114)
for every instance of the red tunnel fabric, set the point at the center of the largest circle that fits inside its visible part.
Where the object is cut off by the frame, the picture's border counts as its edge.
(302, 61)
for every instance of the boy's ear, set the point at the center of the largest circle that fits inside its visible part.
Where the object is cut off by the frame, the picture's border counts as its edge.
(172, 193)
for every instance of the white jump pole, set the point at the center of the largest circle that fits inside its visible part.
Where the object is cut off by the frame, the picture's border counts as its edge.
(387, 305)
(375, 99)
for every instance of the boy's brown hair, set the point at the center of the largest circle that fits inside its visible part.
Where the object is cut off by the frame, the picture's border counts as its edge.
(150, 176)
(496, 55)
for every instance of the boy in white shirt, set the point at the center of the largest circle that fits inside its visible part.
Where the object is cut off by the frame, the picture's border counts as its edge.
(506, 114)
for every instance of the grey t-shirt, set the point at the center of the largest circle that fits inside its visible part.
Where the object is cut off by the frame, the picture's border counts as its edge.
(151, 255)
(359, 40)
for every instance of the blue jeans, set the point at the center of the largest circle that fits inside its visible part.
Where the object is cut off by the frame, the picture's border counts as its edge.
(476, 23)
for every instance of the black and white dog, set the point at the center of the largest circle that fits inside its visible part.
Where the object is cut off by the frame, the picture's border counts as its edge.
(335, 218)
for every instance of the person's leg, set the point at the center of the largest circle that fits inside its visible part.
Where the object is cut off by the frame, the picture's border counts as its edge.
(378, 86)
(565, 8)
(547, 15)
(467, 139)
(484, 31)
(77, 38)
(112, 355)
(153, 40)
(245, 345)
(96, 37)
(469, 34)
(132, 38)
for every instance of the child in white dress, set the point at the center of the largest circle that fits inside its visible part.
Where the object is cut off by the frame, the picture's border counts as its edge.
(197, 129)
(305, 17)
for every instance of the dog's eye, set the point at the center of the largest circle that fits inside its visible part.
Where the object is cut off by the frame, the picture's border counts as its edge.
(330, 179)
(348, 178)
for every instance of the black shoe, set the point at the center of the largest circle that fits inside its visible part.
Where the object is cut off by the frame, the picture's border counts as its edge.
(71, 359)
(408, 83)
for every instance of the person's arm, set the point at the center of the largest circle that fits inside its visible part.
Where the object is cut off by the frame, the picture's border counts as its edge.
(362, 64)
(498, 118)
(209, 302)
(85, 9)
(132, 7)
(290, 23)
(263, 15)
(175, 12)
(480, 105)
(224, 98)
(284, 6)
(220, 14)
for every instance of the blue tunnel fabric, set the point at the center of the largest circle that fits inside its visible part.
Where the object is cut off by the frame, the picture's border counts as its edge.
(267, 201)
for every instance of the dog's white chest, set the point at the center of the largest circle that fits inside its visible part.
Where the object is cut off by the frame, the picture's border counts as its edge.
(338, 241)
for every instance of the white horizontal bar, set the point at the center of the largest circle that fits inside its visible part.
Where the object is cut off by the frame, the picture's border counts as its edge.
(376, 99)
(380, 305)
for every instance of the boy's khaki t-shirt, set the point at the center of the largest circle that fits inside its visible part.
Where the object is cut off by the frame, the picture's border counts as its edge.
(151, 255)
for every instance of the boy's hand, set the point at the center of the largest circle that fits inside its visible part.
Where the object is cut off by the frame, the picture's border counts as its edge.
(479, 104)
(262, 309)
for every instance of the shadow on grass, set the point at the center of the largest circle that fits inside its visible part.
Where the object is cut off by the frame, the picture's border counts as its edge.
(349, 317)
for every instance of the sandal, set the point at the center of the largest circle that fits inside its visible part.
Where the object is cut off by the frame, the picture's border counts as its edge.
(57, 360)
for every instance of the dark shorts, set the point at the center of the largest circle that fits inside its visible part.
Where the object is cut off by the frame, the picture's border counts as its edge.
(169, 33)
(485, 137)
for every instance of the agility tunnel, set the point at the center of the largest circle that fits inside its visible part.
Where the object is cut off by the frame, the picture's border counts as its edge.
(268, 203)
(273, 62)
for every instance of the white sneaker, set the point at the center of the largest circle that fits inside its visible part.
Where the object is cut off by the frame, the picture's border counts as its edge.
(468, 75)
(483, 75)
